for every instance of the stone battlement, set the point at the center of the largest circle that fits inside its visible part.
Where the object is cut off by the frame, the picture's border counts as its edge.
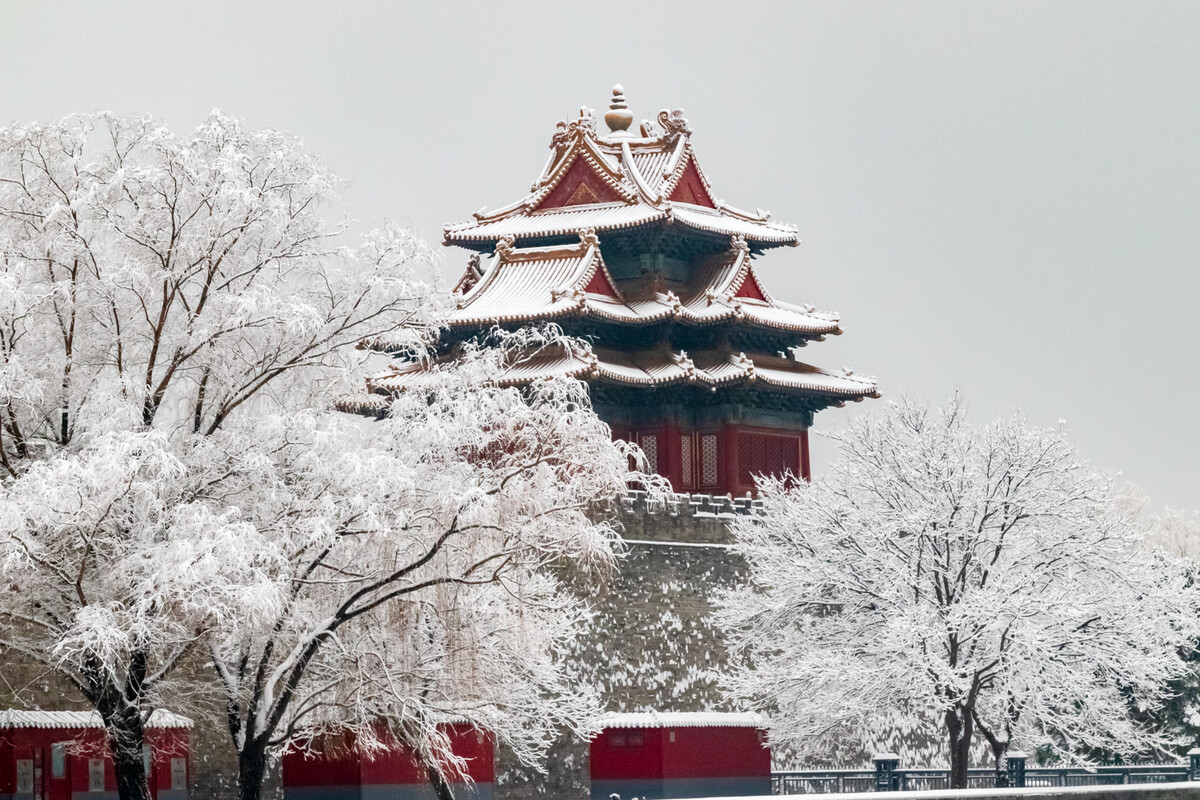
(689, 505)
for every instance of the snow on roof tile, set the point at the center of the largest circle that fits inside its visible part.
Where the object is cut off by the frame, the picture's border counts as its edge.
(364, 404)
(778, 316)
(15, 718)
(642, 170)
(660, 367)
(650, 166)
(714, 221)
(547, 364)
(521, 291)
(785, 373)
(538, 283)
(683, 719)
(543, 283)
(563, 221)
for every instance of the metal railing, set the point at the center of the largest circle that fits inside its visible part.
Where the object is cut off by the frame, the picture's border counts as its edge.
(823, 781)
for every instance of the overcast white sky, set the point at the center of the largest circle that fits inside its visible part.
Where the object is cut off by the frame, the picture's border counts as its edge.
(999, 197)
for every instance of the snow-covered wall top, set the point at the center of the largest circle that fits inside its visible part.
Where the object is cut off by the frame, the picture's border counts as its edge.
(14, 718)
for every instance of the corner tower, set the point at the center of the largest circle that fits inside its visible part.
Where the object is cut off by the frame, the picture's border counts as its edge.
(623, 243)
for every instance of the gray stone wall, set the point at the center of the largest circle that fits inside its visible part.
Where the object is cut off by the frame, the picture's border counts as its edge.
(652, 643)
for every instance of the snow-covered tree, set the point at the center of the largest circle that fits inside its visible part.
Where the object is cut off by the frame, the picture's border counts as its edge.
(409, 569)
(154, 289)
(946, 581)
(176, 325)
(1177, 532)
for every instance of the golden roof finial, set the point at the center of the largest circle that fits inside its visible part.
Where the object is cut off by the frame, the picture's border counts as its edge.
(618, 117)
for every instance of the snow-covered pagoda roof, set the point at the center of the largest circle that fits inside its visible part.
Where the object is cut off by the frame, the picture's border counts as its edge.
(658, 367)
(673, 309)
(619, 180)
(14, 718)
(545, 283)
(683, 719)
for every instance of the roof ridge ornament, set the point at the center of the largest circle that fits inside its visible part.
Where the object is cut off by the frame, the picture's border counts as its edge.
(746, 365)
(584, 124)
(618, 117)
(505, 246)
(685, 362)
(673, 123)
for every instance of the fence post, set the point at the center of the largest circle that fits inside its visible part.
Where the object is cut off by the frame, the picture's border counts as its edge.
(886, 765)
(1194, 764)
(1016, 769)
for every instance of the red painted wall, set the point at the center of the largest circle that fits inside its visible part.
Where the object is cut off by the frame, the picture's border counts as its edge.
(323, 768)
(751, 289)
(715, 752)
(165, 744)
(579, 173)
(341, 765)
(690, 188)
(611, 760)
(82, 745)
(599, 285)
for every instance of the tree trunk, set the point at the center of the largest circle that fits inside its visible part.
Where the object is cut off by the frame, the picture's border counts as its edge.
(252, 769)
(125, 742)
(440, 787)
(959, 730)
(1000, 751)
(999, 748)
(126, 735)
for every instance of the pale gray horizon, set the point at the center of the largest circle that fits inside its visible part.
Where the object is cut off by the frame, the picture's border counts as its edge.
(1002, 198)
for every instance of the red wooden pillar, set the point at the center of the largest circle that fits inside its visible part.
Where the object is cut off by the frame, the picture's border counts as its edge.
(805, 464)
(728, 454)
(670, 455)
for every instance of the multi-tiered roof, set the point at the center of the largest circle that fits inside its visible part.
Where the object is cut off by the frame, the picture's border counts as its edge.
(619, 182)
(622, 242)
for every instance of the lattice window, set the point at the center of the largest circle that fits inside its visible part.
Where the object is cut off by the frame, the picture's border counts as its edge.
(760, 454)
(649, 444)
(95, 774)
(708, 459)
(24, 776)
(685, 458)
(622, 739)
